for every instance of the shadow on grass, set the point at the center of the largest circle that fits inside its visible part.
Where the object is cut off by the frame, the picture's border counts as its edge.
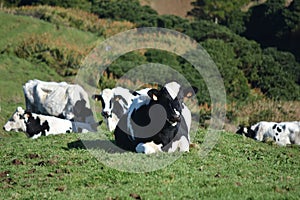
(106, 145)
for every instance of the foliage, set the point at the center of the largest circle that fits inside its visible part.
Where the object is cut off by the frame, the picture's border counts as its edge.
(274, 82)
(234, 80)
(79, 4)
(75, 18)
(124, 10)
(273, 24)
(216, 10)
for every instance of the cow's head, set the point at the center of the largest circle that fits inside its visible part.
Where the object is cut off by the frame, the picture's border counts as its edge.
(105, 97)
(113, 102)
(247, 131)
(16, 122)
(171, 98)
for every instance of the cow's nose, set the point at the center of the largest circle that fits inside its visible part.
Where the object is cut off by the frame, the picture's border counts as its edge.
(3, 128)
(105, 114)
(176, 118)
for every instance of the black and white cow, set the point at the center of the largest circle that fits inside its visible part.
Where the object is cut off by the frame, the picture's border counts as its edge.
(282, 133)
(115, 103)
(36, 125)
(259, 131)
(157, 121)
(67, 101)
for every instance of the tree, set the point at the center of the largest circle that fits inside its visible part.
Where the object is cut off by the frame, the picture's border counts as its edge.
(223, 55)
(124, 10)
(274, 82)
(215, 10)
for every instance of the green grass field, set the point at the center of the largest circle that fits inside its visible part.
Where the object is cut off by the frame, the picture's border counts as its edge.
(59, 167)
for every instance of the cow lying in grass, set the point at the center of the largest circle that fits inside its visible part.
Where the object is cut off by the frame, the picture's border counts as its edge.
(156, 121)
(282, 133)
(42, 98)
(36, 125)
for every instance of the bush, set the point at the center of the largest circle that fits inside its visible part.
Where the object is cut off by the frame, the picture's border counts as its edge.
(65, 59)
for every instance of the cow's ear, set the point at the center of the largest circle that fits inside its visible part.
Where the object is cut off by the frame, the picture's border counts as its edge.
(190, 91)
(96, 97)
(135, 93)
(153, 94)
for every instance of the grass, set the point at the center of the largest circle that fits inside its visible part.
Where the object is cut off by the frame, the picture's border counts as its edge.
(59, 167)
(237, 168)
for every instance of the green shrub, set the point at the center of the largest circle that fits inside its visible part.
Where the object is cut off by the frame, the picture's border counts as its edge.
(65, 59)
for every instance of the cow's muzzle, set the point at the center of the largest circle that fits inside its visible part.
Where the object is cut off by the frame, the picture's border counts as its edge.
(105, 114)
(175, 118)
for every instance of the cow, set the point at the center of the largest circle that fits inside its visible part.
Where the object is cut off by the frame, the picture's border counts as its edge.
(115, 103)
(61, 99)
(287, 133)
(158, 120)
(36, 125)
(282, 133)
(259, 131)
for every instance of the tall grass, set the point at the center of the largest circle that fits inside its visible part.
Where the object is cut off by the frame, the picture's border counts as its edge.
(265, 110)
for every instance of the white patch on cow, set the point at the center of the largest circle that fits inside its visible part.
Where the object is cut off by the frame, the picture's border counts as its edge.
(176, 112)
(36, 136)
(172, 124)
(111, 122)
(143, 91)
(182, 144)
(107, 95)
(187, 116)
(148, 148)
(173, 89)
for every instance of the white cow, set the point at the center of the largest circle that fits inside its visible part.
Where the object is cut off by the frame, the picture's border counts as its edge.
(36, 125)
(63, 100)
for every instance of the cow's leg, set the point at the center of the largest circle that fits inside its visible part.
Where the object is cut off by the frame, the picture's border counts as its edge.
(148, 148)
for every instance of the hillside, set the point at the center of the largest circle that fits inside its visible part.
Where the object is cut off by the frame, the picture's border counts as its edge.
(15, 70)
(61, 167)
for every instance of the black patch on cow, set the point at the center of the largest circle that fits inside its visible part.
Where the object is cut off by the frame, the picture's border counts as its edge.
(34, 126)
(279, 129)
(81, 112)
(250, 133)
(118, 109)
(274, 126)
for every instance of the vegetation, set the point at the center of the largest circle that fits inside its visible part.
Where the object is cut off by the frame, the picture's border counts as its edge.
(262, 83)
